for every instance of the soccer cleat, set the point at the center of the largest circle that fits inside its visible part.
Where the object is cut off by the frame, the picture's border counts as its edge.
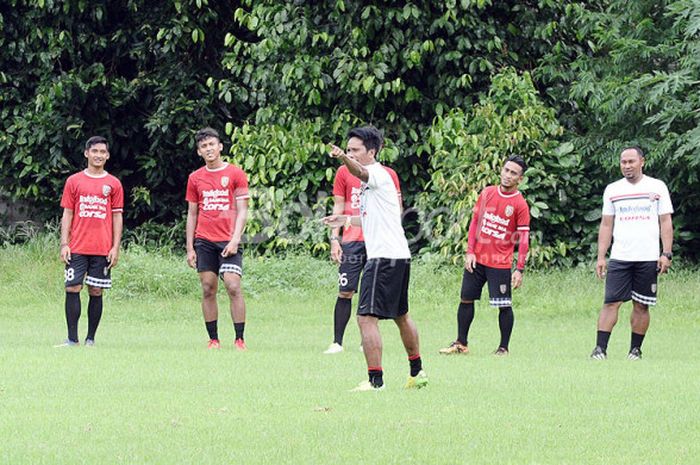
(366, 386)
(501, 352)
(89, 343)
(599, 354)
(68, 343)
(635, 354)
(240, 345)
(214, 344)
(417, 382)
(334, 348)
(455, 348)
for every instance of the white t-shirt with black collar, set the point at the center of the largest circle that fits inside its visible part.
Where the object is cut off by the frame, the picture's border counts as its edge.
(380, 213)
(636, 208)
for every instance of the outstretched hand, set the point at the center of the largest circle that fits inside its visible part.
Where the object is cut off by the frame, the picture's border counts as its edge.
(334, 221)
(336, 152)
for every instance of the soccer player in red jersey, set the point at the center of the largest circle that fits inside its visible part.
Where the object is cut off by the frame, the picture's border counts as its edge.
(501, 219)
(348, 250)
(91, 231)
(217, 196)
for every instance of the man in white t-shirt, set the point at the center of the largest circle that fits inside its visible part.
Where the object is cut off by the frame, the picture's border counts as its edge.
(384, 286)
(636, 211)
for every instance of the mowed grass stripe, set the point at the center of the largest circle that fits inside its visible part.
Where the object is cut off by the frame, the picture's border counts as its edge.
(151, 393)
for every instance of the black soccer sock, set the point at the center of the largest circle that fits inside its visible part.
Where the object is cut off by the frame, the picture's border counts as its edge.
(94, 315)
(602, 339)
(465, 316)
(415, 363)
(505, 323)
(341, 316)
(72, 314)
(376, 376)
(212, 329)
(239, 328)
(637, 340)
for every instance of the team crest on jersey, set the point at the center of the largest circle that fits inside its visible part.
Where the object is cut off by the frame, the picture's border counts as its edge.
(509, 210)
(224, 181)
(106, 189)
(653, 288)
(503, 288)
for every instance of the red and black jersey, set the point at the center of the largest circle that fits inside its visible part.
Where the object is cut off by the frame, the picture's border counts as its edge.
(500, 221)
(93, 200)
(215, 192)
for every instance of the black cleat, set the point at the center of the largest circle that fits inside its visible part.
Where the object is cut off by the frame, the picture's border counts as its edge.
(599, 354)
(635, 354)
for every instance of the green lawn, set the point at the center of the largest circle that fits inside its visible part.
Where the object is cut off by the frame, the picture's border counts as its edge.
(151, 393)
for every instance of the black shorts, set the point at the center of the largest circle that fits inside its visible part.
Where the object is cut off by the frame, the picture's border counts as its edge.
(352, 262)
(499, 285)
(209, 258)
(95, 266)
(631, 280)
(384, 289)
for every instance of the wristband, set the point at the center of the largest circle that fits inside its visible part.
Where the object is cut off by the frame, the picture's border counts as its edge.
(668, 255)
(335, 238)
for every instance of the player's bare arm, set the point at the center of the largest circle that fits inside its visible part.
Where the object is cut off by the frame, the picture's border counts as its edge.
(336, 221)
(192, 214)
(66, 222)
(117, 228)
(355, 168)
(336, 249)
(605, 233)
(241, 218)
(666, 230)
(469, 256)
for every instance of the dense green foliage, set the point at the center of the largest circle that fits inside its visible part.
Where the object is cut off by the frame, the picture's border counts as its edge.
(635, 82)
(467, 153)
(133, 71)
(282, 79)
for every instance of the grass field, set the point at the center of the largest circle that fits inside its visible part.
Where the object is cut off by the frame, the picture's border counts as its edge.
(150, 393)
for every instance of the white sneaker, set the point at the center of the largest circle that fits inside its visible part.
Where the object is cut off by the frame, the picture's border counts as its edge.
(334, 348)
(67, 343)
(366, 386)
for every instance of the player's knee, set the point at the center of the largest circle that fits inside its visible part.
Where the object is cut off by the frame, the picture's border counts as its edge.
(612, 306)
(74, 289)
(402, 320)
(233, 289)
(640, 307)
(208, 290)
(346, 294)
(94, 291)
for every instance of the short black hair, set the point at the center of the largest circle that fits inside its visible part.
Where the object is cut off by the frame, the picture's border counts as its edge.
(636, 148)
(370, 136)
(206, 133)
(518, 160)
(94, 140)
